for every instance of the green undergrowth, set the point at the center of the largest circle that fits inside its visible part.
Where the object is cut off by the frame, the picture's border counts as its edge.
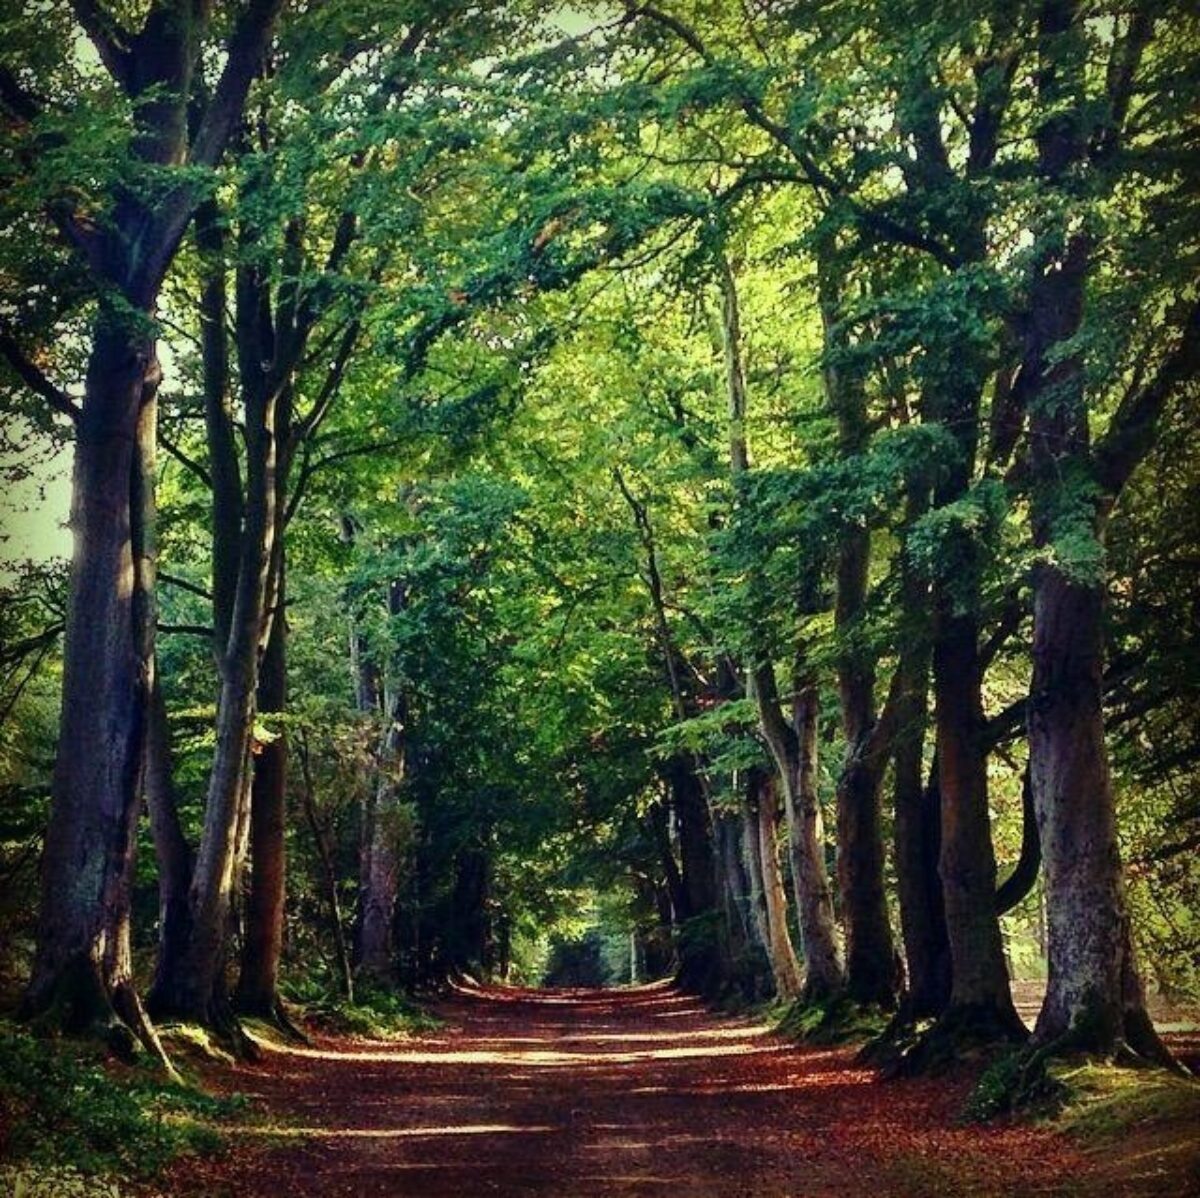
(66, 1115)
(376, 1013)
(1091, 1100)
(1104, 1102)
(836, 1021)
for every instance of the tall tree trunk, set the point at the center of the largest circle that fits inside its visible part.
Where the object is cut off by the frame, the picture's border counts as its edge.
(870, 950)
(918, 882)
(701, 941)
(980, 998)
(794, 749)
(784, 966)
(81, 974)
(379, 869)
(1094, 999)
(752, 856)
(262, 940)
(82, 977)
(750, 963)
(918, 808)
(171, 850)
(199, 992)
(788, 744)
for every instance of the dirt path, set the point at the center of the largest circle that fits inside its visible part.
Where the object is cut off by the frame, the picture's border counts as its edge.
(581, 1093)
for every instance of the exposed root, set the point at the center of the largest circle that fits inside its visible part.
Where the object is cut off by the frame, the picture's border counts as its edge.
(886, 1051)
(78, 1003)
(836, 1020)
(276, 1016)
(963, 1032)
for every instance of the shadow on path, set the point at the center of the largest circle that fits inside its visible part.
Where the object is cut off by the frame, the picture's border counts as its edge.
(637, 1091)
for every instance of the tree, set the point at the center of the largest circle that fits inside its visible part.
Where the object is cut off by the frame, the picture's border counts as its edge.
(124, 234)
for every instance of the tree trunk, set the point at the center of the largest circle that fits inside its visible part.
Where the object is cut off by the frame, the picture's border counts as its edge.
(81, 976)
(870, 951)
(980, 998)
(919, 885)
(379, 876)
(701, 941)
(171, 850)
(784, 966)
(1094, 999)
(918, 812)
(262, 940)
(199, 991)
(752, 856)
(794, 748)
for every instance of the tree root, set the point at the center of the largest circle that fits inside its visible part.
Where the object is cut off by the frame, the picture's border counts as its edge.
(276, 1016)
(961, 1033)
(837, 1019)
(886, 1051)
(79, 1004)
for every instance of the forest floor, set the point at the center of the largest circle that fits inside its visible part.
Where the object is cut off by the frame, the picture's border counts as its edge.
(637, 1092)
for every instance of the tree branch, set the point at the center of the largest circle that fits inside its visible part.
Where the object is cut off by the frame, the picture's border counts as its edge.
(1131, 434)
(110, 40)
(247, 45)
(21, 103)
(34, 379)
(183, 584)
(184, 460)
(187, 630)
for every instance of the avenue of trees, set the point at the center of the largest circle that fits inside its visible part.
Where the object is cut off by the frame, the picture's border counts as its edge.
(736, 459)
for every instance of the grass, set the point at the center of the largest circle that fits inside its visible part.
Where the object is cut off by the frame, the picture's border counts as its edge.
(66, 1116)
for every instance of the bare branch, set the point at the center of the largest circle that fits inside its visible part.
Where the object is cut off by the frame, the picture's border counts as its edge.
(183, 584)
(186, 630)
(1131, 434)
(188, 463)
(110, 40)
(34, 379)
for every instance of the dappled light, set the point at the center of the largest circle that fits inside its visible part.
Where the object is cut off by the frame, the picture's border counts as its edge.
(713, 1106)
(599, 599)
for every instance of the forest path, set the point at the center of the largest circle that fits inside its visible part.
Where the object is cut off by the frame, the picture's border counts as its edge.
(622, 1092)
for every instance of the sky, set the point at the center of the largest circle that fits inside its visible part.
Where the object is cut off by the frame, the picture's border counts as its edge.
(34, 512)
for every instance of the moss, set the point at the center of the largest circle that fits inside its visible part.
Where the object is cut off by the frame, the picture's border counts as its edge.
(1103, 1101)
(61, 1108)
(833, 1021)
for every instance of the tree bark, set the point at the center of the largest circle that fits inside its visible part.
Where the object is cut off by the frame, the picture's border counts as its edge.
(172, 853)
(262, 939)
(917, 809)
(870, 950)
(82, 976)
(980, 997)
(701, 948)
(1094, 998)
(81, 967)
(794, 749)
(198, 990)
(752, 856)
(784, 966)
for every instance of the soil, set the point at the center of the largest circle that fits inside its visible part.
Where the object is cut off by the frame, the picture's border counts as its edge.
(577, 1093)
